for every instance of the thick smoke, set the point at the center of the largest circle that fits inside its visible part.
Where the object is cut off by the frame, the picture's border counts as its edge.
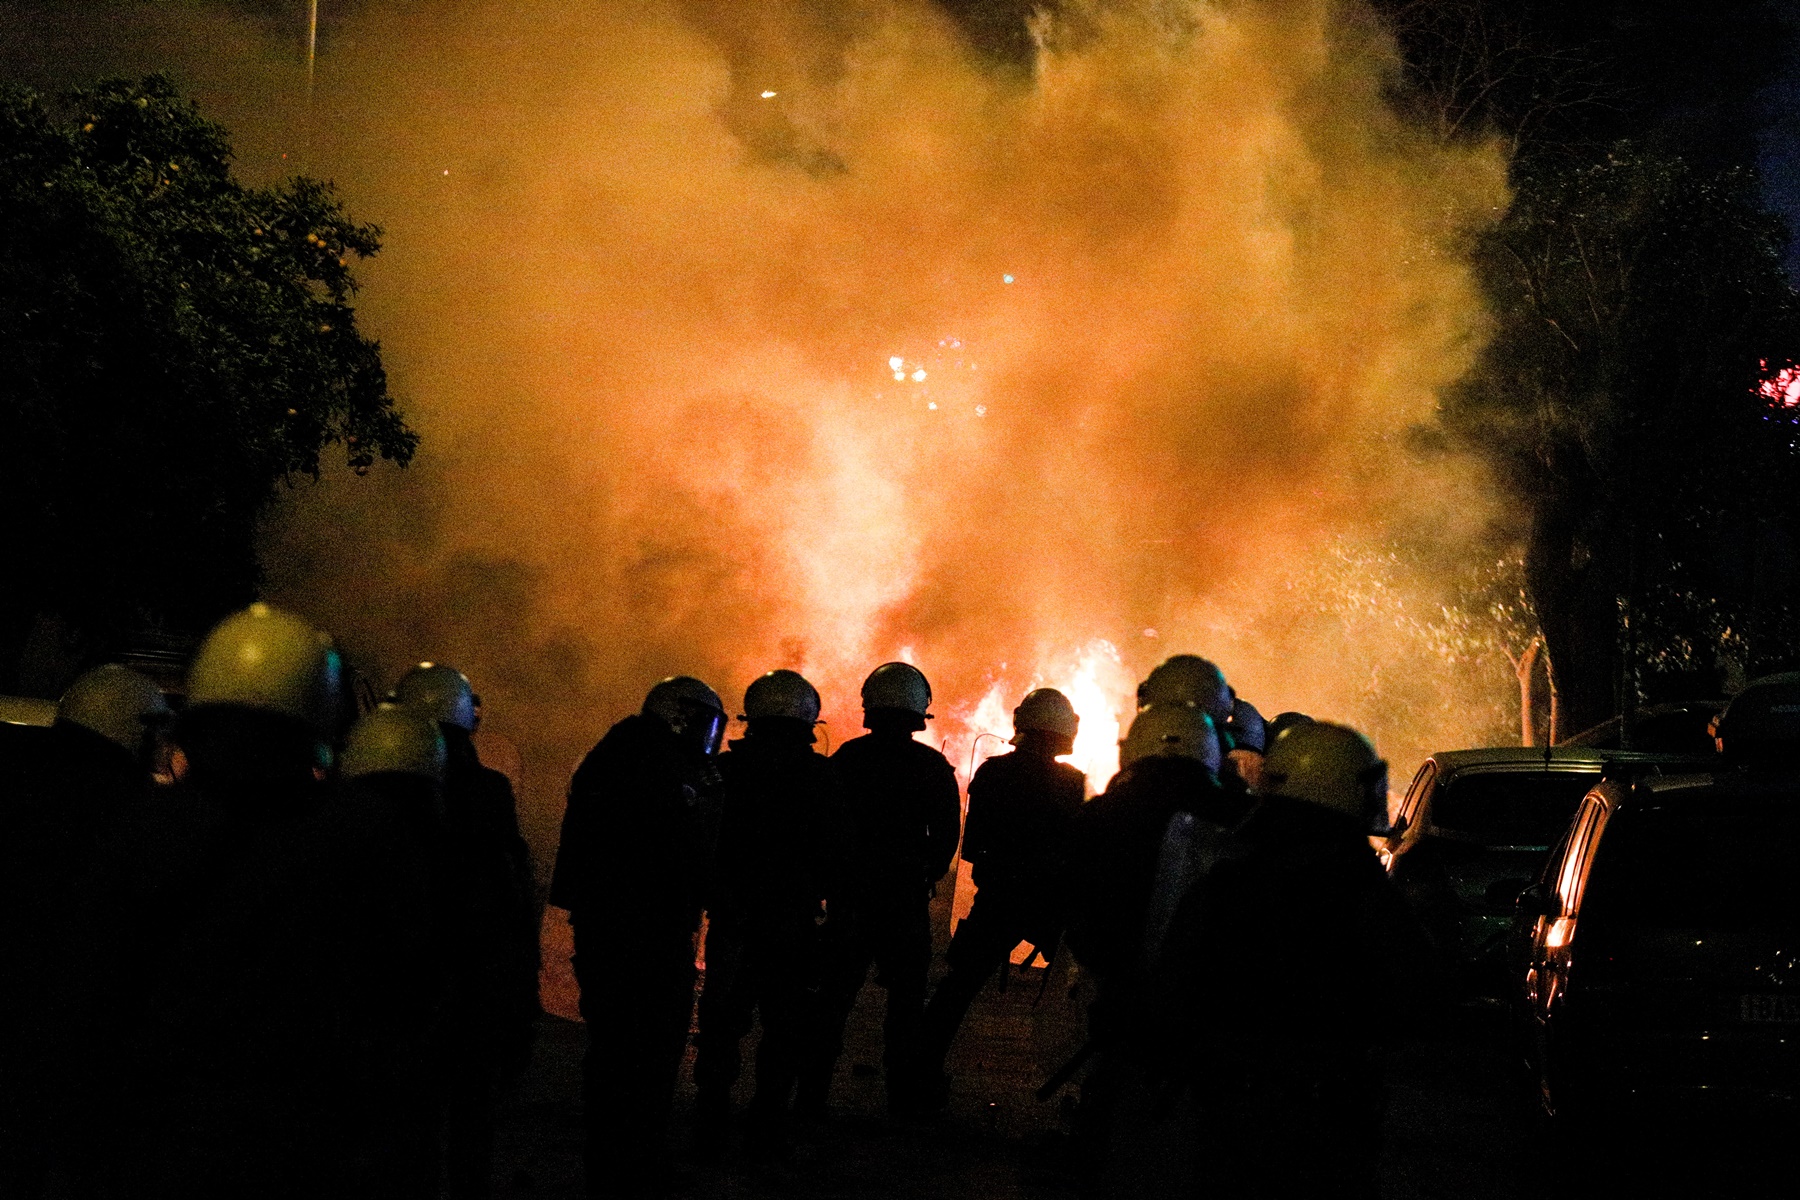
(745, 335)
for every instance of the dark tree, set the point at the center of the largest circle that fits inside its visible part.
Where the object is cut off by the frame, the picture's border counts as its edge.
(1640, 306)
(177, 347)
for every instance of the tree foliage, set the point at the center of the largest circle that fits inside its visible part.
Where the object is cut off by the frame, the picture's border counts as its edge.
(177, 347)
(1639, 306)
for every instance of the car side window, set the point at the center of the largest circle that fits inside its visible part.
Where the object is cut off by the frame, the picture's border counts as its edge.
(1412, 807)
(1573, 871)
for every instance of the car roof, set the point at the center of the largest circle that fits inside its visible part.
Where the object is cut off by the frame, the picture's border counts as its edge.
(1556, 759)
(1727, 782)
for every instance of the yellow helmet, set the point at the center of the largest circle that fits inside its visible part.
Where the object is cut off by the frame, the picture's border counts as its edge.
(394, 740)
(115, 702)
(268, 659)
(1171, 731)
(1332, 766)
(1188, 679)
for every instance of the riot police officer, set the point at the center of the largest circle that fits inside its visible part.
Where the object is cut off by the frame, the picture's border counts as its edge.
(221, 1019)
(1170, 762)
(1320, 949)
(906, 813)
(637, 843)
(62, 795)
(783, 865)
(391, 780)
(1021, 807)
(491, 1000)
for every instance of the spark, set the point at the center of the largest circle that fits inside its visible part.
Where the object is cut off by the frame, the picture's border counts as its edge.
(932, 405)
(899, 376)
(896, 362)
(919, 375)
(1006, 279)
(981, 410)
(1781, 388)
(768, 95)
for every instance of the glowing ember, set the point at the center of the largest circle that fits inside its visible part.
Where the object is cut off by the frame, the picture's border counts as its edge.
(1782, 388)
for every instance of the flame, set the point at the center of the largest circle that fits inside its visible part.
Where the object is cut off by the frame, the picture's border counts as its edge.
(1096, 683)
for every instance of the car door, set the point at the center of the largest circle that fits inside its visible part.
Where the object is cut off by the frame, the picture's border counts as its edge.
(1553, 931)
(1406, 819)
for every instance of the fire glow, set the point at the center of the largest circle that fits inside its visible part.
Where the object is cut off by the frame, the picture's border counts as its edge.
(1096, 683)
(1006, 370)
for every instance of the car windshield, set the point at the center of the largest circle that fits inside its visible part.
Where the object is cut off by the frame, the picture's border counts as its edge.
(1713, 862)
(1510, 808)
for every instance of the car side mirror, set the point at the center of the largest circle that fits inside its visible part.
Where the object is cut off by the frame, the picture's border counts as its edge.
(1534, 901)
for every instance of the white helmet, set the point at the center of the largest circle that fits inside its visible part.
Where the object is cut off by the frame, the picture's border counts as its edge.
(1332, 766)
(1047, 711)
(115, 702)
(782, 693)
(1171, 731)
(897, 685)
(440, 692)
(1188, 679)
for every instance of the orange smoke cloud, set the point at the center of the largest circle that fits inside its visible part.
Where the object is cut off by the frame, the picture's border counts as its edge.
(745, 335)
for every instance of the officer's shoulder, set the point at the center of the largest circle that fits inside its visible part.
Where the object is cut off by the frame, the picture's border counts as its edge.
(925, 752)
(855, 748)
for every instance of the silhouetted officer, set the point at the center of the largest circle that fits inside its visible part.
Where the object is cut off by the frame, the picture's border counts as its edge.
(637, 842)
(1171, 758)
(391, 791)
(1021, 806)
(1280, 971)
(491, 1002)
(783, 859)
(64, 790)
(229, 993)
(906, 812)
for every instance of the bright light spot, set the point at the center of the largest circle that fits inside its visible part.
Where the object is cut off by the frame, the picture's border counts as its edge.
(932, 406)
(895, 363)
(1782, 388)
(768, 95)
(900, 376)
(446, 172)
(981, 410)
(1095, 684)
(1006, 279)
(1149, 633)
(919, 375)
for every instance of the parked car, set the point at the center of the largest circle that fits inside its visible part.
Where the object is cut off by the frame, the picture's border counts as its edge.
(1660, 948)
(1680, 728)
(1474, 829)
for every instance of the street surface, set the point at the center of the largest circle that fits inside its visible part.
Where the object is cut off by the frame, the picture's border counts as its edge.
(1456, 1124)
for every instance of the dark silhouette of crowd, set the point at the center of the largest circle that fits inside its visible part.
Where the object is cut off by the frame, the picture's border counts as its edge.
(255, 949)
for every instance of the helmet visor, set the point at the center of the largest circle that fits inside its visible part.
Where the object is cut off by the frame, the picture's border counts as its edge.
(701, 727)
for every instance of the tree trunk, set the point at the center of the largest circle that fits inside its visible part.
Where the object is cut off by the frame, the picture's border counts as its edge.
(1580, 635)
(1522, 670)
